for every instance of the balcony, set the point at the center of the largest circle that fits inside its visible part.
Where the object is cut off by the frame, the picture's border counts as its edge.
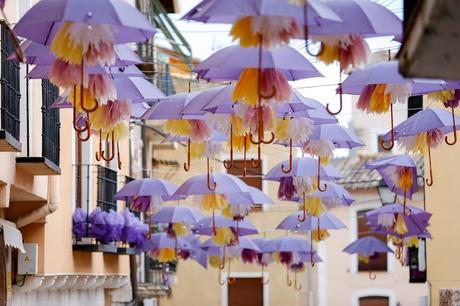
(10, 96)
(158, 279)
(48, 162)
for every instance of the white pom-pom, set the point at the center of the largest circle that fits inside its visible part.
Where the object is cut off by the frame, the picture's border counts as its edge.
(302, 184)
(212, 149)
(320, 147)
(220, 122)
(386, 220)
(399, 92)
(301, 129)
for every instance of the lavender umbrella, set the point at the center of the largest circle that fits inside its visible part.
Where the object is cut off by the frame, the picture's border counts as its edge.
(289, 244)
(43, 71)
(229, 62)
(423, 131)
(177, 214)
(325, 221)
(37, 54)
(206, 226)
(221, 11)
(244, 243)
(43, 20)
(171, 107)
(340, 136)
(165, 241)
(361, 16)
(146, 187)
(303, 167)
(223, 184)
(399, 173)
(367, 246)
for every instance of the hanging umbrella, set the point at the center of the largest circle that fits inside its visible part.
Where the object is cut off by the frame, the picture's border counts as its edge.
(381, 85)
(37, 54)
(302, 167)
(240, 204)
(367, 247)
(177, 214)
(291, 250)
(41, 22)
(423, 131)
(209, 225)
(43, 71)
(165, 248)
(399, 173)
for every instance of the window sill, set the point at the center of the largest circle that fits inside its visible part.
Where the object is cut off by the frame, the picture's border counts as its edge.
(37, 166)
(8, 143)
(95, 248)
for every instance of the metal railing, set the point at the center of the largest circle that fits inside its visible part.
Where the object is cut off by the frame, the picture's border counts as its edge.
(10, 85)
(50, 122)
(106, 188)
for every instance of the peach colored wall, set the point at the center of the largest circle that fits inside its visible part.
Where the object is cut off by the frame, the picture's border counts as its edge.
(443, 202)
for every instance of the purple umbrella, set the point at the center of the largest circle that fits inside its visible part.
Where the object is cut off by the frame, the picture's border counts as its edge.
(340, 136)
(325, 221)
(177, 214)
(206, 226)
(202, 184)
(43, 71)
(37, 54)
(165, 241)
(291, 247)
(380, 85)
(221, 11)
(228, 63)
(244, 243)
(428, 125)
(367, 246)
(303, 167)
(44, 19)
(136, 89)
(171, 107)
(399, 173)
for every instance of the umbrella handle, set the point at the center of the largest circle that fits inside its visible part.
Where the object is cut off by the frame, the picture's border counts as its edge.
(82, 104)
(429, 181)
(322, 189)
(219, 278)
(318, 230)
(214, 229)
(340, 97)
(88, 132)
(289, 169)
(454, 129)
(256, 163)
(101, 153)
(222, 262)
(230, 280)
(371, 276)
(245, 151)
(297, 285)
(306, 32)
(118, 156)
(236, 241)
(407, 211)
(382, 141)
(212, 186)
(304, 216)
(265, 281)
(311, 249)
(229, 164)
(187, 163)
(288, 281)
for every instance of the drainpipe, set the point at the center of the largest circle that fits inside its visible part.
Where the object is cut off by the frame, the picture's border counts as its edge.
(50, 207)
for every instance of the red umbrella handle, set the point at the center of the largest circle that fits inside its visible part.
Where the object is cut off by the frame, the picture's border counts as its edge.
(256, 163)
(212, 186)
(454, 129)
(306, 32)
(429, 181)
(289, 169)
(304, 216)
(340, 94)
(322, 189)
(82, 104)
(229, 164)
(187, 163)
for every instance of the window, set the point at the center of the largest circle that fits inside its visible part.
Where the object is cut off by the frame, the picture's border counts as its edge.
(136, 213)
(10, 80)
(106, 188)
(374, 301)
(414, 105)
(379, 263)
(50, 122)
(246, 292)
(253, 175)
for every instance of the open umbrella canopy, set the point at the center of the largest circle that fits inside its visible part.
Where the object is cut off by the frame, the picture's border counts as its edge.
(367, 246)
(229, 62)
(244, 243)
(388, 73)
(223, 11)
(302, 167)
(364, 17)
(177, 214)
(115, 72)
(252, 197)
(43, 20)
(392, 169)
(137, 89)
(205, 226)
(289, 244)
(326, 221)
(171, 107)
(37, 54)
(335, 193)
(225, 183)
(146, 187)
(340, 136)
(163, 241)
(425, 120)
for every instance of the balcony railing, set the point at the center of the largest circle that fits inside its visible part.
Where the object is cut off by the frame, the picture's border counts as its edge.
(106, 188)
(50, 122)
(10, 88)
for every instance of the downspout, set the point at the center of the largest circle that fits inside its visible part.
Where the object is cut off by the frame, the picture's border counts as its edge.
(50, 207)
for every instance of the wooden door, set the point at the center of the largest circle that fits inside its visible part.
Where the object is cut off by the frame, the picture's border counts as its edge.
(246, 292)
(374, 301)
